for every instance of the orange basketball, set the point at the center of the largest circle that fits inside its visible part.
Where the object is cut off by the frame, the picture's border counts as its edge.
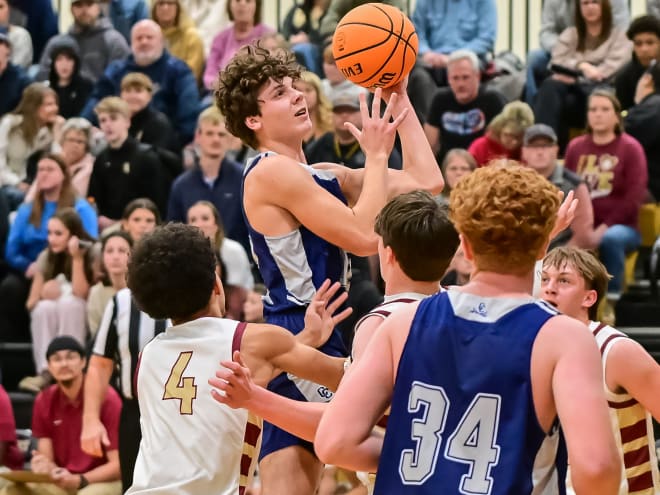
(375, 45)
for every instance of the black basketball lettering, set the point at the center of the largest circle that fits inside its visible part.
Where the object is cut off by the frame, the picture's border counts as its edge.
(353, 70)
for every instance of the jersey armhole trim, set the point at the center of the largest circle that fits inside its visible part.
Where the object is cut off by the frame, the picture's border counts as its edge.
(238, 337)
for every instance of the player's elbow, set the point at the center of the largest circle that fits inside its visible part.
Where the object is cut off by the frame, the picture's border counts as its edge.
(436, 184)
(600, 474)
(363, 242)
(329, 448)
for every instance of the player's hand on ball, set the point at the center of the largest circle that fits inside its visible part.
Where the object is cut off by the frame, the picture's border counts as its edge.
(233, 385)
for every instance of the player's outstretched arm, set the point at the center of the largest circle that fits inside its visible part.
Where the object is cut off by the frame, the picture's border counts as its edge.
(320, 317)
(269, 349)
(346, 436)
(572, 361)
(233, 386)
(631, 368)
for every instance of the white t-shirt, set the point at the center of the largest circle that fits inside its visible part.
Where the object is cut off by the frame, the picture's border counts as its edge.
(237, 264)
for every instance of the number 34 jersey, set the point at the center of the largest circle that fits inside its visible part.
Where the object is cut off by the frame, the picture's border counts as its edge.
(462, 417)
(190, 443)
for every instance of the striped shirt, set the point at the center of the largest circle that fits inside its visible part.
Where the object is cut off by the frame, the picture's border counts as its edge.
(632, 425)
(123, 333)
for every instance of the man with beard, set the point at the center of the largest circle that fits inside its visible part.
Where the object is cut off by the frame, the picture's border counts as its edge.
(175, 88)
(57, 422)
(98, 42)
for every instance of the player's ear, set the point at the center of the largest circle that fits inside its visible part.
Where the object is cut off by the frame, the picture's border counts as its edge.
(253, 123)
(467, 248)
(590, 298)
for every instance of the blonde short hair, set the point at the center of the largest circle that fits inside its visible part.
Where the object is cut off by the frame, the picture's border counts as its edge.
(113, 105)
(137, 80)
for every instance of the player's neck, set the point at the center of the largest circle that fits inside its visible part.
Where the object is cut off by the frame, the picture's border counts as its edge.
(211, 311)
(402, 285)
(491, 284)
(292, 150)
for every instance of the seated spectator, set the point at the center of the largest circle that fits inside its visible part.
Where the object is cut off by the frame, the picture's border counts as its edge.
(504, 135)
(59, 290)
(10, 455)
(214, 178)
(340, 145)
(125, 169)
(457, 164)
(643, 121)
(596, 49)
(64, 78)
(334, 80)
(246, 27)
(318, 106)
(13, 79)
(644, 32)
(301, 29)
(40, 19)
(98, 42)
(75, 143)
(253, 307)
(539, 152)
(140, 217)
(176, 92)
(18, 36)
(556, 16)
(33, 126)
(613, 165)
(148, 125)
(208, 16)
(449, 25)
(460, 113)
(124, 14)
(237, 273)
(339, 8)
(181, 36)
(57, 418)
(115, 251)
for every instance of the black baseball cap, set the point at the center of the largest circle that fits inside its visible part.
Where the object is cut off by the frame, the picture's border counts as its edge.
(64, 343)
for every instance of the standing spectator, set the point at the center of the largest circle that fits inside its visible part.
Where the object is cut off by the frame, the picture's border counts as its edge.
(556, 16)
(301, 28)
(115, 251)
(460, 113)
(10, 455)
(64, 77)
(539, 153)
(504, 135)
(214, 178)
(57, 422)
(176, 94)
(18, 36)
(246, 27)
(643, 121)
(644, 32)
(40, 21)
(613, 165)
(318, 105)
(13, 79)
(59, 290)
(596, 49)
(124, 14)
(99, 43)
(181, 36)
(33, 126)
(125, 170)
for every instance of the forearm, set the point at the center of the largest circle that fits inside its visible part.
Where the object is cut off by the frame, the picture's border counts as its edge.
(361, 456)
(106, 472)
(373, 196)
(97, 379)
(79, 283)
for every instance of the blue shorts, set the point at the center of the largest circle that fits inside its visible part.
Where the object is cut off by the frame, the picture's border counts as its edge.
(275, 438)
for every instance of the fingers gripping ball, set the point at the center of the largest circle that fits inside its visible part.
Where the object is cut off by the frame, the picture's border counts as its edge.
(375, 45)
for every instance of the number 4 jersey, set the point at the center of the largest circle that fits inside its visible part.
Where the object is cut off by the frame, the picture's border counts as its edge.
(190, 443)
(462, 417)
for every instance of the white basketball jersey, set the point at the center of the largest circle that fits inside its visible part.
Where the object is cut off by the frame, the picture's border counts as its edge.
(191, 444)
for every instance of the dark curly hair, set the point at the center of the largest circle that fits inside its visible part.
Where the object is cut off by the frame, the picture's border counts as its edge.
(160, 286)
(239, 83)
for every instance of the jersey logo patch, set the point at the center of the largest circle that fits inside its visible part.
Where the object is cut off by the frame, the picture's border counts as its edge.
(480, 310)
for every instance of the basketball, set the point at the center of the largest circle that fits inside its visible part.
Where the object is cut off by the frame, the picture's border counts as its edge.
(375, 45)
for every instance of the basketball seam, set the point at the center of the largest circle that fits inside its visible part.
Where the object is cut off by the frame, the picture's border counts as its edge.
(377, 44)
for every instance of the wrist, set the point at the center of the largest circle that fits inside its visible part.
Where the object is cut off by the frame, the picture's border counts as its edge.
(83, 482)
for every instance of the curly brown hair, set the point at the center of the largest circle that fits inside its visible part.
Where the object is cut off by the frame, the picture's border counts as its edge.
(506, 212)
(239, 83)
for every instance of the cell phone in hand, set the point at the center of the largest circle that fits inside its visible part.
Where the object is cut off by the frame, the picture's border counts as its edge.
(651, 65)
(82, 244)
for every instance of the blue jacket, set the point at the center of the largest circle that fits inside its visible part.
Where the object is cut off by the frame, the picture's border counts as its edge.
(25, 241)
(125, 13)
(175, 90)
(190, 187)
(41, 22)
(444, 26)
(12, 83)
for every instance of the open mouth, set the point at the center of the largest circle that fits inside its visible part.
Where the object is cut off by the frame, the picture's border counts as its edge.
(552, 303)
(301, 112)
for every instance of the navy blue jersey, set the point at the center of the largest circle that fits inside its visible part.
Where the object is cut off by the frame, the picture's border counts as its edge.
(462, 417)
(294, 265)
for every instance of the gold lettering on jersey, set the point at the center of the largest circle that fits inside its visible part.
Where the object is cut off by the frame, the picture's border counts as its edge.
(598, 173)
(181, 387)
